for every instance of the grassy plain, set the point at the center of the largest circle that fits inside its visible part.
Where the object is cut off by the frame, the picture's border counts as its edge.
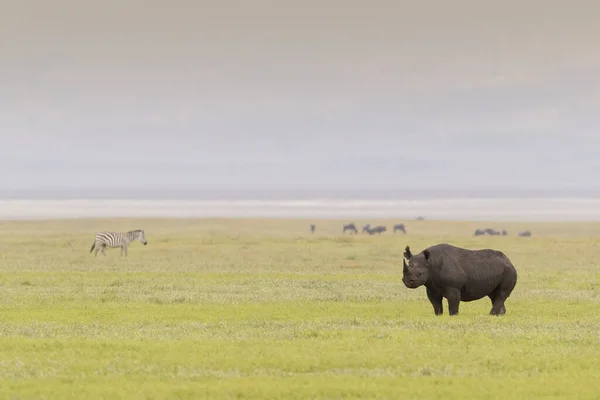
(263, 309)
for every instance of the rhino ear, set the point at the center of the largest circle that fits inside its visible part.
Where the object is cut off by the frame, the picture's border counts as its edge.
(407, 253)
(426, 254)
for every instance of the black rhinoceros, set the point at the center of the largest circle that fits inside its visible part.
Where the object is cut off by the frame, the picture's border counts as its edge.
(459, 275)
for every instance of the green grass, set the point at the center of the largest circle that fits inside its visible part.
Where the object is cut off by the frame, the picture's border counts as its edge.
(263, 309)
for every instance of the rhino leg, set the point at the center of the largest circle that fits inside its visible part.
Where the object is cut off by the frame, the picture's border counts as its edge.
(453, 296)
(436, 301)
(498, 306)
(502, 309)
(499, 296)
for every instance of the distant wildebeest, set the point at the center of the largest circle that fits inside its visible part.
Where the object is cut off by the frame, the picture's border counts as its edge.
(312, 228)
(487, 231)
(365, 228)
(504, 233)
(350, 227)
(117, 239)
(399, 227)
(377, 229)
(420, 218)
(525, 233)
(459, 274)
(492, 232)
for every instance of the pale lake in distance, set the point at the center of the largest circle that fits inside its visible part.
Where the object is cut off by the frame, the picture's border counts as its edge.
(490, 209)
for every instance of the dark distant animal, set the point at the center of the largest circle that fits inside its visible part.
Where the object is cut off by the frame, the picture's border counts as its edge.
(350, 227)
(377, 229)
(492, 232)
(486, 231)
(117, 239)
(420, 218)
(399, 227)
(459, 274)
(504, 233)
(365, 228)
(312, 228)
(525, 233)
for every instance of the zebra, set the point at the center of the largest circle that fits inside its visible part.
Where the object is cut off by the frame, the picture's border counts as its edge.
(117, 239)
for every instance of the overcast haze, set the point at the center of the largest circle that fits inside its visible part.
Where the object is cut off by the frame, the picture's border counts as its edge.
(349, 95)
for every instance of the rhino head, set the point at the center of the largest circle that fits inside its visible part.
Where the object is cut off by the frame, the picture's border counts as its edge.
(416, 272)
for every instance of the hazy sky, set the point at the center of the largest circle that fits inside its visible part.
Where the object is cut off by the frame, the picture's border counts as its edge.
(366, 94)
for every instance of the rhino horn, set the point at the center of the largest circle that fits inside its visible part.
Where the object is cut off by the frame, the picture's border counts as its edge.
(407, 253)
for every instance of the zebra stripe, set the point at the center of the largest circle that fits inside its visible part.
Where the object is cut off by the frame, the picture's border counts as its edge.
(117, 239)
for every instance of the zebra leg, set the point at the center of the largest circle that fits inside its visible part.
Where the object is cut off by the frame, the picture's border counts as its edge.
(125, 250)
